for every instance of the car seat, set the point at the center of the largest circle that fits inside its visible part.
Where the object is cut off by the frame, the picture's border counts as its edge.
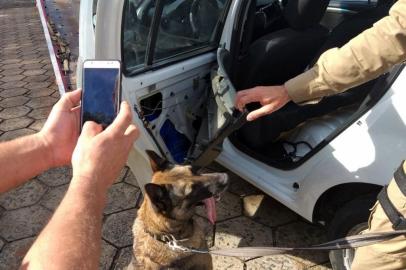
(267, 129)
(282, 54)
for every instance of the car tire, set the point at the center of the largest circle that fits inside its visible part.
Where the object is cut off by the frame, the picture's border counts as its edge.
(350, 219)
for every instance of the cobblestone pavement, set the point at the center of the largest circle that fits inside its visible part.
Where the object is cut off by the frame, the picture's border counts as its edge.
(27, 92)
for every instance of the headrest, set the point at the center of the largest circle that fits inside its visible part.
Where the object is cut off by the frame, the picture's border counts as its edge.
(302, 14)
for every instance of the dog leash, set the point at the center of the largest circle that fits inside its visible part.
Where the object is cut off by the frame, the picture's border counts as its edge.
(355, 241)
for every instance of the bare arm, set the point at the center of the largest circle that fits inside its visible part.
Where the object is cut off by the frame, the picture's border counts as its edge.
(26, 157)
(72, 238)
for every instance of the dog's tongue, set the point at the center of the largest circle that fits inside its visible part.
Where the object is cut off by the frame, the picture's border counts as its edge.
(210, 204)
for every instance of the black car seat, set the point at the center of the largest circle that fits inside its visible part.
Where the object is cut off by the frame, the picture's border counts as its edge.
(267, 129)
(282, 54)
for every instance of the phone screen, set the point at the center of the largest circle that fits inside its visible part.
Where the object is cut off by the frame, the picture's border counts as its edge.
(101, 90)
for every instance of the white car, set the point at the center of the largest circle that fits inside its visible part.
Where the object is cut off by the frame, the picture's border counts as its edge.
(184, 60)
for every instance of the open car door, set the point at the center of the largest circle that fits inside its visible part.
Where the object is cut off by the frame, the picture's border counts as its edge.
(175, 82)
(222, 116)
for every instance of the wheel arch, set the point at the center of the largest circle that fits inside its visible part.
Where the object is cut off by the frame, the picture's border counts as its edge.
(335, 197)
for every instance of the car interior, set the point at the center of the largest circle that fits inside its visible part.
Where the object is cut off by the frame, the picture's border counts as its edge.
(280, 41)
(273, 41)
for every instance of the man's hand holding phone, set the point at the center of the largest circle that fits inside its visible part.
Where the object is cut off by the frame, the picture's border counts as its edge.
(61, 130)
(100, 155)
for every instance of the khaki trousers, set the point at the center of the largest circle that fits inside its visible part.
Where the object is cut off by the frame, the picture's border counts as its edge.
(386, 255)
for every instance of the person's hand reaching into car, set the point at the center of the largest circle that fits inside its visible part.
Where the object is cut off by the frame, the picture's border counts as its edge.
(272, 98)
(100, 155)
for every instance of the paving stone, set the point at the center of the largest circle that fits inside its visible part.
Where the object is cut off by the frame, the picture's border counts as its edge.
(32, 66)
(267, 211)
(41, 102)
(11, 66)
(117, 228)
(37, 78)
(303, 234)
(10, 72)
(11, 61)
(121, 196)
(40, 92)
(130, 178)
(53, 197)
(37, 85)
(123, 259)
(40, 113)
(220, 262)
(56, 95)
(107, 255)
(56, 177)
(15, 123)
(38, 124)
(30, 61)
(13, 92)
(13, 78)
(11, 135)
(11, 85)
(23, 222)
(121, 177)
(326, 266)
(274, 262)
(13, 101)
(229, 206)
(242, 232)
(13, 253)
(25, 195)
(14, 112)
(34, 72)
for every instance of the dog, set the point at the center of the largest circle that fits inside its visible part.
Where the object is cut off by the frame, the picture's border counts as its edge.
(167, 213)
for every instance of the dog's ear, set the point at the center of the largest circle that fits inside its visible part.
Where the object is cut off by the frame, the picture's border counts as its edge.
(159, 197)
(157, 162)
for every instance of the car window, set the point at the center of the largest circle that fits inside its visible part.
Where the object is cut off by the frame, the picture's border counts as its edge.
(138, 16)
(183, 26)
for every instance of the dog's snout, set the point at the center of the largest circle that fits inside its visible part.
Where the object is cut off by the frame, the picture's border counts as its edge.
(223, 179)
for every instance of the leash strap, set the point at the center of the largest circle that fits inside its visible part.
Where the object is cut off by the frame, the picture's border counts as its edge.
(355, 241)
(400, 179)
(342, 243)
(397, 219)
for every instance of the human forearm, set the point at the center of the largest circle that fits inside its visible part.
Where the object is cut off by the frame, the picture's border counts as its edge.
(23, 159)
(71, 240)
(365, 57)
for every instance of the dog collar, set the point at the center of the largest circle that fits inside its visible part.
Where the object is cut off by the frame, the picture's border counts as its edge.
(173, 243)
(164, 238)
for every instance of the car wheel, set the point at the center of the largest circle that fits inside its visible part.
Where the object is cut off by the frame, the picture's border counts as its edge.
(350, 219)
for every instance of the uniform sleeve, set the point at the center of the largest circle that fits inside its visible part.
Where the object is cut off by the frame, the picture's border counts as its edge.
(365, 57)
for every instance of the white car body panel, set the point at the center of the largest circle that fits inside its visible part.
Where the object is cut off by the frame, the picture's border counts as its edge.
(366, 152)
(86, 37)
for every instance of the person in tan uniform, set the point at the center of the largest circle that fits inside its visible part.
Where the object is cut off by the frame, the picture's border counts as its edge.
(365, 57)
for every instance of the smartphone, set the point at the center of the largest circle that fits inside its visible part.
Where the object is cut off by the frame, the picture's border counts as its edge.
(101, 94)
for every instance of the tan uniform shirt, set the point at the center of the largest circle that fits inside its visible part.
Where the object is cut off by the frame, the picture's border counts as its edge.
(365, 57)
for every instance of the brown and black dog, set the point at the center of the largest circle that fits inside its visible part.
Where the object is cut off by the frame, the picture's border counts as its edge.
(168, 210)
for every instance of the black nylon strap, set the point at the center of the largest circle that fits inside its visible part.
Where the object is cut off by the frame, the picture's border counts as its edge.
(400, 179)
(396, 218)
